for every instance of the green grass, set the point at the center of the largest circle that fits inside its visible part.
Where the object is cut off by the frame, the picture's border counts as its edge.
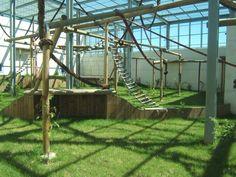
(6, 98)
(171, 97)
(172, 147)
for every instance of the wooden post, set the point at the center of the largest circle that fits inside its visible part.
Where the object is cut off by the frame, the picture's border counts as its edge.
(161, 75)
(45, 98)
(54, 40)
(180, 77)
(106, 56)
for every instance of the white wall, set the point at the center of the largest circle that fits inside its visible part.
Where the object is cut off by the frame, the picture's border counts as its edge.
(22, 51)
(93, 65)
(230, 92)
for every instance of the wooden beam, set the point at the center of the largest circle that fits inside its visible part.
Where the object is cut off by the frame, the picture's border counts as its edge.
(124, 42)
(229, 4)
(227, 22)
(171, 52)
(100, 16)
(21, 37)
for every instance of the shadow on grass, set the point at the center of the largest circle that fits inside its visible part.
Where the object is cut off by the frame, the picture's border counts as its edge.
(221, 153)
(197, 99)
(218, 164)
(6, 120)
(158, 152)
(165, 94)
(10, 159)
(124, 143)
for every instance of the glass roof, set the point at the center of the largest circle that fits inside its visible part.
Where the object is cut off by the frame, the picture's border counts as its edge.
(26, 9)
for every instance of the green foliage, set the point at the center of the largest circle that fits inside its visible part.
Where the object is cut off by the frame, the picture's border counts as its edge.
(53, 114)
(224, 129)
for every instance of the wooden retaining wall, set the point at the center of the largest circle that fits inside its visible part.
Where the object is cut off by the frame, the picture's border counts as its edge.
(96, 104)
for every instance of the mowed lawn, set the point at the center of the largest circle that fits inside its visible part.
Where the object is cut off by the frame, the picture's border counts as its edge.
(171, 97)
(99, 147)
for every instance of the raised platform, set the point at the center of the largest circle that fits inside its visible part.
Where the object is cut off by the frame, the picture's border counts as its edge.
(96, 103)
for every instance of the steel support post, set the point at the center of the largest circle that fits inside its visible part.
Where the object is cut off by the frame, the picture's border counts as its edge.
(129, 49)
(78, 55)
(168, 36)
(69, 45)
(13, 45)
(106, 55)
(211, 84)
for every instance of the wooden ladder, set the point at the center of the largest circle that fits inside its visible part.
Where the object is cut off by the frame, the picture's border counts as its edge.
(133, 88)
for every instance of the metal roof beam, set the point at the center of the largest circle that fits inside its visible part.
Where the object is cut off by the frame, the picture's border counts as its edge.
(21, 6)
(185, 21)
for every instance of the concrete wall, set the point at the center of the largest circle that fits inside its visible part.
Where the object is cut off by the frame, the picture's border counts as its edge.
(230, 92)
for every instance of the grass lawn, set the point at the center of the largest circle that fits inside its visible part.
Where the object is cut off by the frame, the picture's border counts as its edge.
(171, 97)
(99, 147)
(6, 98)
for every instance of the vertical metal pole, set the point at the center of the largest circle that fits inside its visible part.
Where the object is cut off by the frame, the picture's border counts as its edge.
(78, 55)
(136, 70)
(106, 56)
(190, 26)
(222, 89)
(69, 45)
(129, 49)
(211, 84)
(115, 78)
(178, 34)
(153, 75)
(115, 68)
(165, 79)
(31, 63)
(159, 37)
(13, 46)
(161, 75)
(199, 75)
(180, 76)
(168, 36)
(201, 34)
